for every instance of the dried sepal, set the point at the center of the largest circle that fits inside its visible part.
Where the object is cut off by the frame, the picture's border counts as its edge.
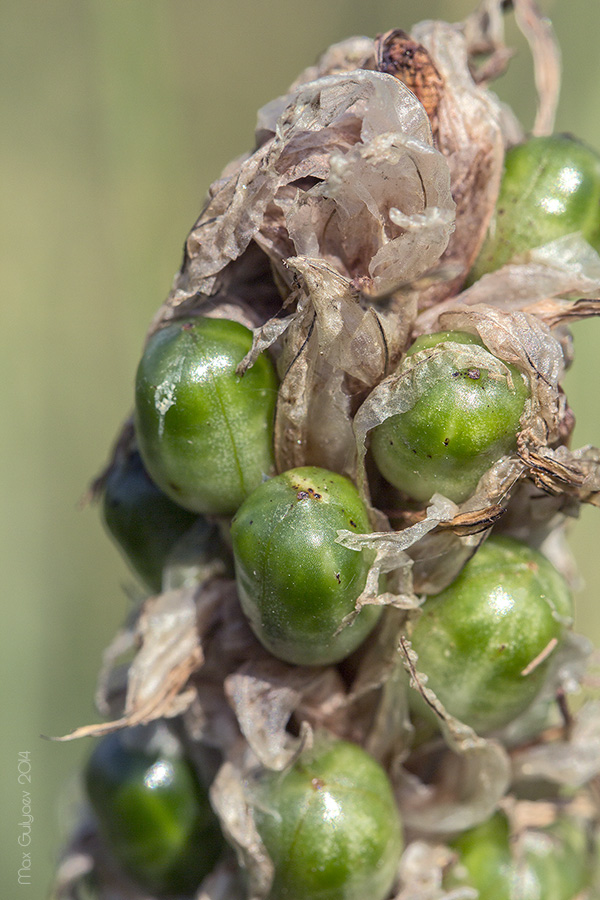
(470, 136)
(541, 282)
(473, 773)
(265, 694)
(571, 758)
(484, 31)
(232, 800)
(167, 632)
(422, 869)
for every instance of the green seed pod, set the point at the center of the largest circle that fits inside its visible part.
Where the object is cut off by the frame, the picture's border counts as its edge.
(465, 416)
(153, 815)
(485, 642)
(204, 433)
(296, 584)
(330, 826)
(552, 863)
(144, 523)
(550, 188)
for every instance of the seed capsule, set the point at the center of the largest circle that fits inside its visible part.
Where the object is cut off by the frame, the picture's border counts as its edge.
(465, 416)
(142, 520)
(205, 434)
(553, 863)
(330, 826)
(153, 814)
(550, 188)
(486, 641)
(296, 584)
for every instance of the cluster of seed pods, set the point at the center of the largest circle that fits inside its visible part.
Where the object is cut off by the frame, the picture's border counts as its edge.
(345, 485)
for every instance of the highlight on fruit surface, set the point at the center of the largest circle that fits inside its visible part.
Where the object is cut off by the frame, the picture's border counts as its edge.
(330, 825)
(486, 642)
(461, 415)
(296, 584)
(550, 188)
(204, 433)
(152, 812)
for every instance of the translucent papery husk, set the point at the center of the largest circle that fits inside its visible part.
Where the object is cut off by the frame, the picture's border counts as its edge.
(470, 773)
(568, 758)
(316, 145)
(422, 869)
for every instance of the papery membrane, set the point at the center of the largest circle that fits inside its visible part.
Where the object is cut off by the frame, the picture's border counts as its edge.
(317, 121)
(422, 869)
(473, 772)
(231, 799)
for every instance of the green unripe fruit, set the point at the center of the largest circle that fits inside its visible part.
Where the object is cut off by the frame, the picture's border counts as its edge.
(295, 583)
(144, 523)
(153, 815)
(330, 826)
(465, 417)
(485, 642)
(205, 434)
(550, 188)
(553, 863)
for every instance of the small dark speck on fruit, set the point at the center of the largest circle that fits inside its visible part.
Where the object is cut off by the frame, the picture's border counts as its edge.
(317, 784)
(338, 577)
(446, 441)
(353, 523)
(302, 495)
(474, 374)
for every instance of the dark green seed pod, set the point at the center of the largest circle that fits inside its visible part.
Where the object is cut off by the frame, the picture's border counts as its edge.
(296, 584)
(153, 815)
(552, 863)
(486, 641)
(465, 416)
(144, 523)
(550, 188)
(330, 825)
(205, 434)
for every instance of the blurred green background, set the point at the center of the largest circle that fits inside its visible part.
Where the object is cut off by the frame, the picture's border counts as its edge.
(117, 116)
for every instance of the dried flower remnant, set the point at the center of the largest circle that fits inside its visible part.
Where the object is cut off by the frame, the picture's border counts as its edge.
(399, 55)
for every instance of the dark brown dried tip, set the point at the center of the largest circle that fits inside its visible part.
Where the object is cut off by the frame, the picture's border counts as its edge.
(398, 55)
(473, 522)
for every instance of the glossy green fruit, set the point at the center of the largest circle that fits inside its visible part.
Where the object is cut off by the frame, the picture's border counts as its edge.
(555, 862)
(550, 188)
(153, 814)
(465, 417)
(295, 583)
(204, 433)
(330, 826)
(144, 523)
(479, 639)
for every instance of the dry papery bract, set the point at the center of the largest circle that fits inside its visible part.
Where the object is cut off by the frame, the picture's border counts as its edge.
(349, 230)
